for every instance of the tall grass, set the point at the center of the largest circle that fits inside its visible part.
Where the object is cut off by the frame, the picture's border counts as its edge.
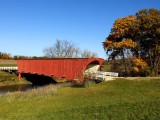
(117, 100)
(43, 91)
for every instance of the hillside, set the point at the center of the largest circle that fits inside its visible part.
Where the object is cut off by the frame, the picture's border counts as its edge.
(7, 62)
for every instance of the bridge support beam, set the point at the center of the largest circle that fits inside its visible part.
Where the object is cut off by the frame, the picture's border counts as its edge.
(19, 76)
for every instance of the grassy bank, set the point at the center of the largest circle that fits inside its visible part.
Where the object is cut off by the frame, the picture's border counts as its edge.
(117, 100)
(9, 79)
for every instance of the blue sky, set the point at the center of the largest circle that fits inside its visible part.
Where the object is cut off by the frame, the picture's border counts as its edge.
(28, 26)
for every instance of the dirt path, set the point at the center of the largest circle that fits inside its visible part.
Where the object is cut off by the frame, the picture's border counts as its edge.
(109, 78)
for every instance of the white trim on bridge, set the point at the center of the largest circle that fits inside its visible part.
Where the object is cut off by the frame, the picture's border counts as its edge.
(8, 68)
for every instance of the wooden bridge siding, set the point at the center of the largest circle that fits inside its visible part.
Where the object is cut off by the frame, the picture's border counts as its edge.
(68, 68)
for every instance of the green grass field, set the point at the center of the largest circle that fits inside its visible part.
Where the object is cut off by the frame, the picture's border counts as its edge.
(116, 100)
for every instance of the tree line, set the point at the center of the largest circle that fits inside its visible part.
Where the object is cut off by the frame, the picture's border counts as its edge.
(4, 55)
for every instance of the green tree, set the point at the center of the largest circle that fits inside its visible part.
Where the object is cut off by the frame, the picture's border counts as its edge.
(149, 38)
(1, 54)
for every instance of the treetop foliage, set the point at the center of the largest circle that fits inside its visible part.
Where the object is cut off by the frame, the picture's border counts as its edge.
(123, 26)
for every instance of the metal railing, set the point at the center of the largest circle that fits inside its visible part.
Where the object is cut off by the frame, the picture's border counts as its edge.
(113, 74)
(8, 68)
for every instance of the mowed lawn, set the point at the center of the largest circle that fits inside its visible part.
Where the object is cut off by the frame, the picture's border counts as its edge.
(117, 100)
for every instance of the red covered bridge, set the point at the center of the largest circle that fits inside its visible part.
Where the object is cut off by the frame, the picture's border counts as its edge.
(69, 68)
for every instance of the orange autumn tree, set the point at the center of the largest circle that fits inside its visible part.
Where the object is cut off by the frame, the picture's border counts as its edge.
(4, 55)
(138, 35)
(140, 66)
(120, 38)
(119, 42)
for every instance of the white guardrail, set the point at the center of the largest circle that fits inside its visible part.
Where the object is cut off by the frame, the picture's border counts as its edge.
(8, 68)
(113, 74)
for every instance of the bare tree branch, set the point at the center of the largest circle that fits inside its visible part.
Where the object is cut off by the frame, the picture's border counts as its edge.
(66, 49)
